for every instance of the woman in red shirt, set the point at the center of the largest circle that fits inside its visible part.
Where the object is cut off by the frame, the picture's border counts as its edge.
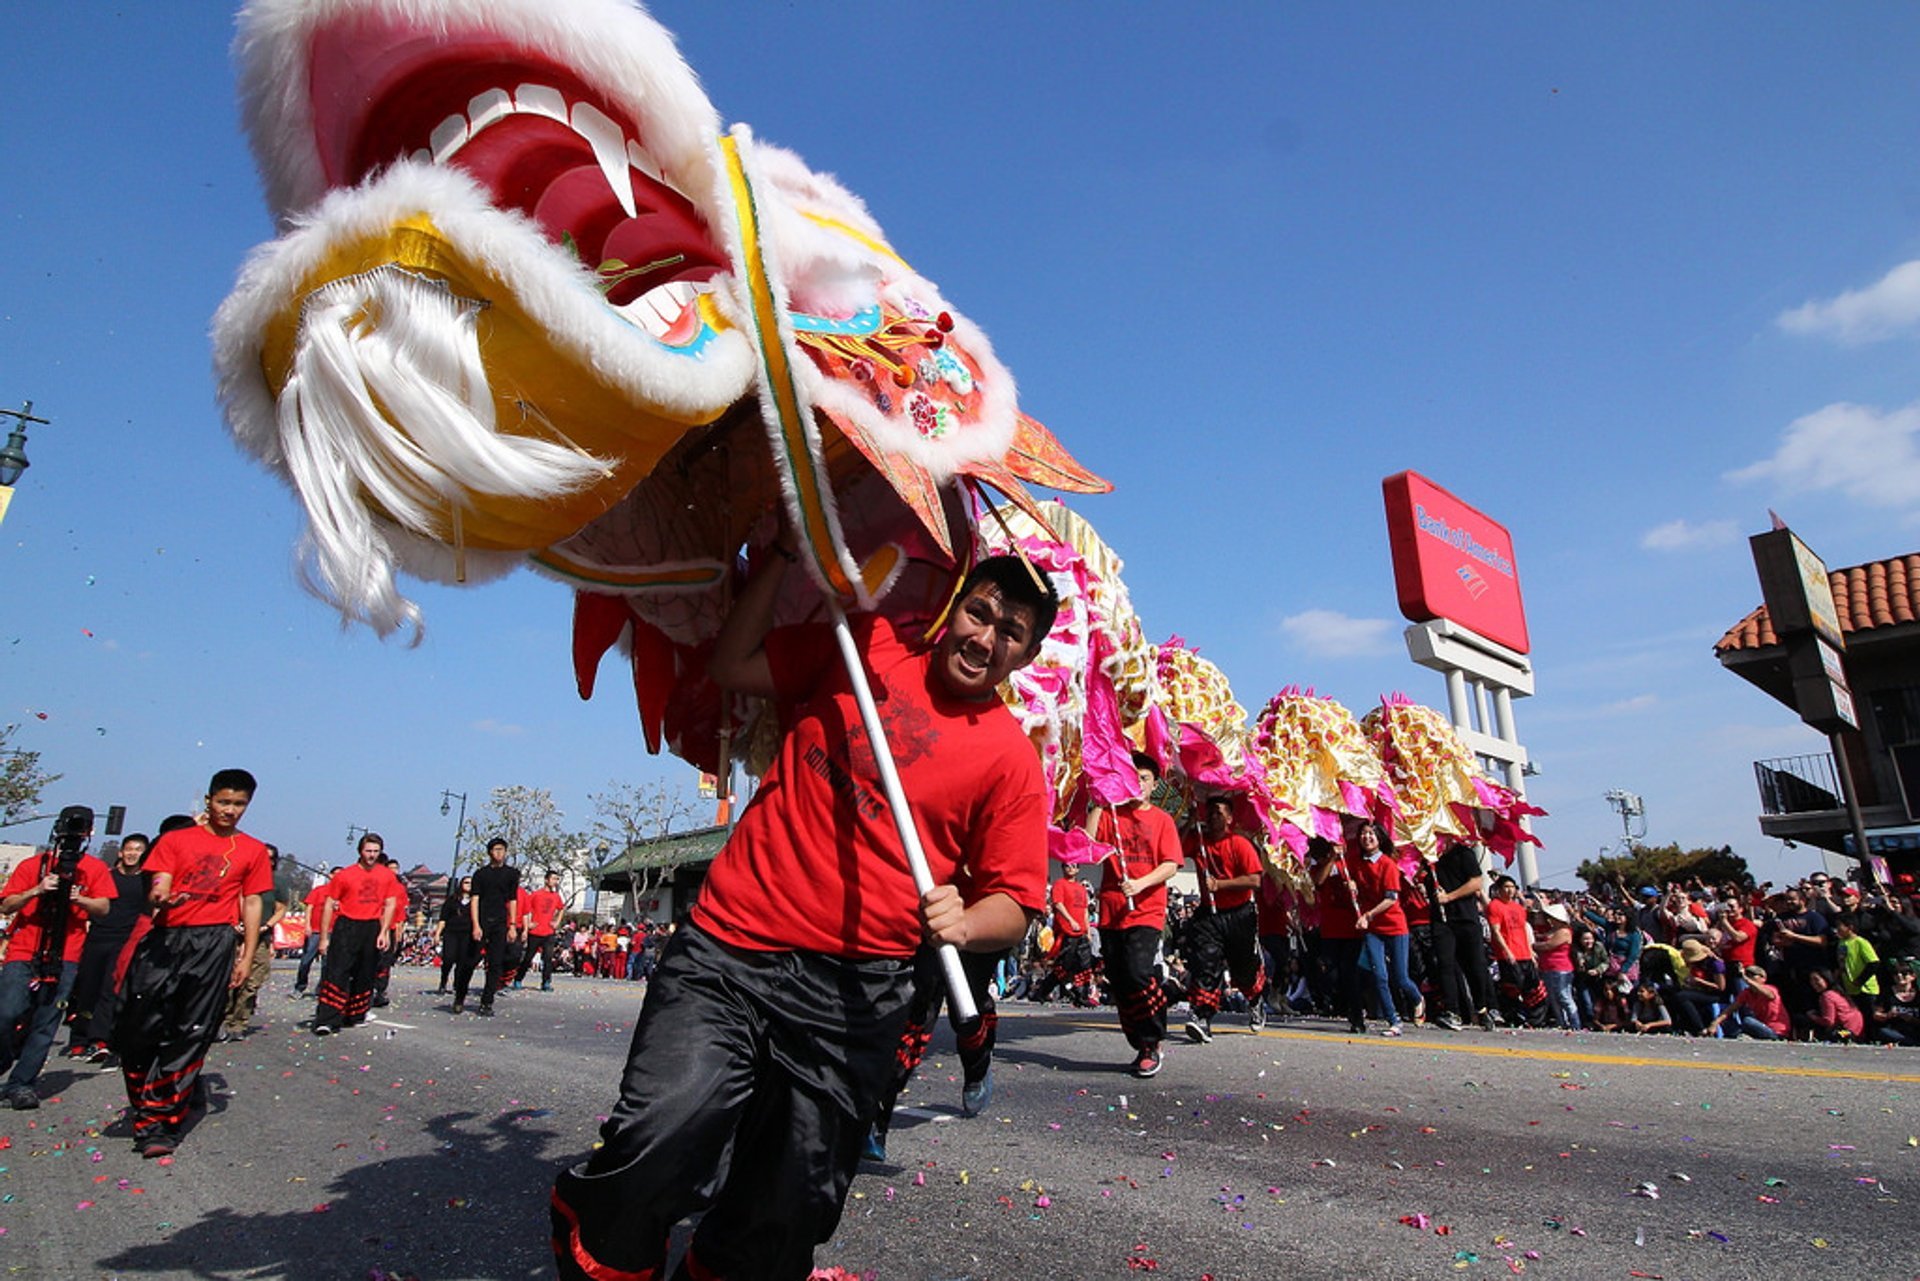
(1338, 904)
(1384, 926)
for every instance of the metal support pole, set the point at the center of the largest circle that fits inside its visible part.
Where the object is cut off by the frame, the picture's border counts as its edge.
(1844, 768)
(1457, 698)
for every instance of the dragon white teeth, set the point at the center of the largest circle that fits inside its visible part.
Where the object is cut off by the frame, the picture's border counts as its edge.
(542, 100)
(643, 162)
(449, 137)
(488, 107)
(659, 309)
(610, 149)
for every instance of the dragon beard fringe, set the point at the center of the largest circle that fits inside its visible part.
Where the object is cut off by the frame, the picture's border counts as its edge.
(375, 349)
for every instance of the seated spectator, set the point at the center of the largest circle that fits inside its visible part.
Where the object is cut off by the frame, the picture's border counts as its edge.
(1703, 986)
(1859, 965)
(1611, 1012)
(1648, 1012)
(1896, 1019)
(1833, 1017)
(1758, 1010)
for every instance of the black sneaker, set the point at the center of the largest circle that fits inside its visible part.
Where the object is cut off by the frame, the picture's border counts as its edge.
(485, 1011)
(1200, 1031)
(1257, 1016)
(23, 1098)
(459, 1007)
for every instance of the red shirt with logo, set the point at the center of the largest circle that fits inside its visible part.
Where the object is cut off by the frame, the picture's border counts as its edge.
(538, 912)
(1144, 837)
(1068, 898)
(91, 879)
(214, 872)
(1230, 856)
(815, 863)
(361, 892)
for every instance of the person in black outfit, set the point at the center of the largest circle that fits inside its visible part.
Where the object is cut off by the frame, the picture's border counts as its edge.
(1459, 876)
(454, 933)
(496, 918)
(96, 994)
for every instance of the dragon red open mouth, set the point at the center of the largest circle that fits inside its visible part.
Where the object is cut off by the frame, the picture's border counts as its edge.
(542, 142)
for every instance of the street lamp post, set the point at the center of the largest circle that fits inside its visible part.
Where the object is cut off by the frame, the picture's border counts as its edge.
(447, 797)
(13, 457)
(354, 833)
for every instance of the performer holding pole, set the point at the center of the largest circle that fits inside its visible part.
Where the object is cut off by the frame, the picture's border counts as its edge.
(769, 1031)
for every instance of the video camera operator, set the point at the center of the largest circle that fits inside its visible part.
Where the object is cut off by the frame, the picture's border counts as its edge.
(53, 896)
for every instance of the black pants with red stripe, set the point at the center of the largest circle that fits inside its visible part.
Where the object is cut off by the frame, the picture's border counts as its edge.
(974, 1039)
(171, 1004)
(347, 981)
(1128, 955)
(1219, 944)
(747, 1093)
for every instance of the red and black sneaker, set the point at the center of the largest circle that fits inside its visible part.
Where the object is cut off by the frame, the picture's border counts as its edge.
(1148, 1062)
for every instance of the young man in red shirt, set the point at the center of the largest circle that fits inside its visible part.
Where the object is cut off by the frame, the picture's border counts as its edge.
(542, 918)
(1069, 905)
(205, 877)
(1224, 935)
(52, 897)
(316, 905)
(1133, 910)
(770, 1025)
(356, 928)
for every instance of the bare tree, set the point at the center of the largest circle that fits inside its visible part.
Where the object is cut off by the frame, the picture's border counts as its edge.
(628, 813)
(530, 823)
(21, 779)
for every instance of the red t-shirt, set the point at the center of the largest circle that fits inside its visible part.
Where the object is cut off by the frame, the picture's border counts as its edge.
(1741, 954)
(1068, 898)
(215, 872)
(538, 911)
(815, 863)
(1509, 921)
(1270, 901)
(1334, 898)
(91, 879)
(361, 892)
(1377, 880)
(1232, 855)
(316, 901)
(1146, 838)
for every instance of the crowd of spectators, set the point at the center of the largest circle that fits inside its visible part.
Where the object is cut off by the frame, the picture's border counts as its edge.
(1818, 959)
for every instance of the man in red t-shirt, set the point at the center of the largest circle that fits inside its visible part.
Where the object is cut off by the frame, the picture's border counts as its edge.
(1224, 935)
(1068, 906)
(521, 947)
(51, 897)
(1513, 950)
(205, 877)
(356, 929)
(1133, 910)
(540, 917)
(316, 905)
(770, 1026)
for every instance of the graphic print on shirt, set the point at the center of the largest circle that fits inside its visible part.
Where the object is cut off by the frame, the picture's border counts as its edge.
(202, 877)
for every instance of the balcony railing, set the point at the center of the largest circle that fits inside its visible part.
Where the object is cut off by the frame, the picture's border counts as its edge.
(1798, 784)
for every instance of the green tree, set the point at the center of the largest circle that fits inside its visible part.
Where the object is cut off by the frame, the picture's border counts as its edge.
(21, 779)
(1655, 865)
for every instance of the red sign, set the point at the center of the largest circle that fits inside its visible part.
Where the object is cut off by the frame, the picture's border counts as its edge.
(1453, 561)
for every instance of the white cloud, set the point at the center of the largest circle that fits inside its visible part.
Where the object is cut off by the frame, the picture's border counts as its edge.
(1627, 706)
(1682, 535)
(502, 729)
(1870, 455)
(1889, 306)
(1327, 633)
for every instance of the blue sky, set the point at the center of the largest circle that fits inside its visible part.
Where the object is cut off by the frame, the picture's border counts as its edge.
(1622, 276)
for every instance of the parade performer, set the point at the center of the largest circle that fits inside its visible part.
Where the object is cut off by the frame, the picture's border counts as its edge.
(973, 1038)
(95, 999)
(316, 904)
(1383, 926)
(51, 899)
(543, 910)
(1071, 966)
(495, 918)
(453, 932)
(1223, 938)
(354, 934)
(769, 1028)
(205, 876)
(1133, 910)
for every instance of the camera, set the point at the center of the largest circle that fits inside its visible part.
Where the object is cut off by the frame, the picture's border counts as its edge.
(71, 833)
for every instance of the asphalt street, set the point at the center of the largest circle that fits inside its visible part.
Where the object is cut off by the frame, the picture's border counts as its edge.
(423, 1145)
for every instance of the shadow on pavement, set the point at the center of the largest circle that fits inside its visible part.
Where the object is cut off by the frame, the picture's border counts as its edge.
(478, 1214)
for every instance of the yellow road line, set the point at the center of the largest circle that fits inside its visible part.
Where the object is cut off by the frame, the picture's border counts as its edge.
(1567, 1056)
